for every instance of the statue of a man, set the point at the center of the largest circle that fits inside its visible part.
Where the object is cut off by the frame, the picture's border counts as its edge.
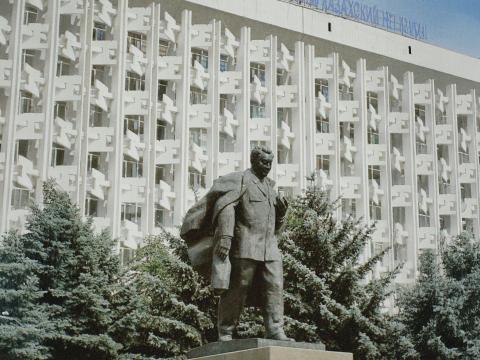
(243, 212)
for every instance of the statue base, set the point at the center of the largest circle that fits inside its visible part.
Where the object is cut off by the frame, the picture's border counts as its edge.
(265, 349)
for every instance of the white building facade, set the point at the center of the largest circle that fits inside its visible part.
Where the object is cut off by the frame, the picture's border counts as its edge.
(135, 107)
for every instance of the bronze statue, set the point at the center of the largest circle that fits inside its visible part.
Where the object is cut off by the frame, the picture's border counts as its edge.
(231, 233)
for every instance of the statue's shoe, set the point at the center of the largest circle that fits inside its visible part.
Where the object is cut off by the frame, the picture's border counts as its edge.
(223, 338)
(280, 336)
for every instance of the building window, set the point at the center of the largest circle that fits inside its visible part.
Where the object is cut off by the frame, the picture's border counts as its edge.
(199, 137)
(283, 155)
(132, 212)
(139, 40)
(226, 143)
(257, 110)
(58, 156)
(93, 161)
(347, 129)
(323, 125)
(258, 70)
(134, 82)
(26, 103)
(372, 99)
(201, 56)
(374, 173)
(96, 116)
(373, 136)
(281, 76)
(349, 208)
(224, 60)
(163, 47)
(441, 117)
(465, 191)
(99, 31)
(375, 211)
(444, 187)
(162, 89)
(161, 130)
(63, 66)
(21, 198)
(134, 123)
(91, 207)
(423, 218)
(323, 163)
(259, 143)
(345, 92)
(127, 255)
(30, 15)
(198, 96)
(196, 179)
(159, 174)
(463, 156)
(60, 110)
(223, 103)
(321, 86)
(21, 149)
(467, 225)
(28, 57)
(132, 168)
(281, 116)
(98, 73)
(420, 112)
(159, 216)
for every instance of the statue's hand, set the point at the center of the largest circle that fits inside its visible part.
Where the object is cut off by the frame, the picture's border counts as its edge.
(222, 251)
(282, 205)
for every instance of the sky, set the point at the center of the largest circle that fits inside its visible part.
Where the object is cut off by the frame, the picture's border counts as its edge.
(451, 24)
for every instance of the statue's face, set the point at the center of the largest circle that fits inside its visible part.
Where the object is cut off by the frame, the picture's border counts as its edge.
(262, 165)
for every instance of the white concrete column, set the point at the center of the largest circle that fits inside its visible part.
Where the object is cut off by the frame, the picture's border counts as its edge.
(15, 56)
(83, 113)
(243, 100)
(452, 119)
(116, 119)
(299, 125)
(151, 79)
(181, 124)
(50, 70)
(271, 100)
(214, 101)
(411, 215)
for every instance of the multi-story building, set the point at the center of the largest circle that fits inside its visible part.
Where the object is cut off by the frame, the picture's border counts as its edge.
(135, 107)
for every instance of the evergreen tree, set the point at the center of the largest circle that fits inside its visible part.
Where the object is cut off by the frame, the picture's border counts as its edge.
(164, 308)
(442, 311)
(70, 276)
(23, 320)
(327, 298)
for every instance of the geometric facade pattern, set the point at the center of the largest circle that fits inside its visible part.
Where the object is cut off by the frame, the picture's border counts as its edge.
(134, 112)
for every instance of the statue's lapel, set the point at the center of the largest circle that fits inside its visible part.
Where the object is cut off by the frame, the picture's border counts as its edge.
(256, 181)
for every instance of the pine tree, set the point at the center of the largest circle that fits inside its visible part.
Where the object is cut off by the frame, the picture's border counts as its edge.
(23, 321)
(442, 311)
(164, 308)
(326, 296)
(70, 273)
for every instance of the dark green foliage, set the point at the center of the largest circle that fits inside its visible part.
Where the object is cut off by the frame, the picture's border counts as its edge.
(69, 273)
(442, 311)
(326, 296)
(164, 307)
(23, 321)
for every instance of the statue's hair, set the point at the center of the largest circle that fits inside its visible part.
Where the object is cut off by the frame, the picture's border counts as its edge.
(258, 151)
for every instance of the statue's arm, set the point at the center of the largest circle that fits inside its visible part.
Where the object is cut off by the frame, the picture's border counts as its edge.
(224, 231)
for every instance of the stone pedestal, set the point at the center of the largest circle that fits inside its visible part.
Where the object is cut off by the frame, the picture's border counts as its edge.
(264, 349)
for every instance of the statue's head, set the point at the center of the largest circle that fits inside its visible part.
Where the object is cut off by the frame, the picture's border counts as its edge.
(261, 159)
